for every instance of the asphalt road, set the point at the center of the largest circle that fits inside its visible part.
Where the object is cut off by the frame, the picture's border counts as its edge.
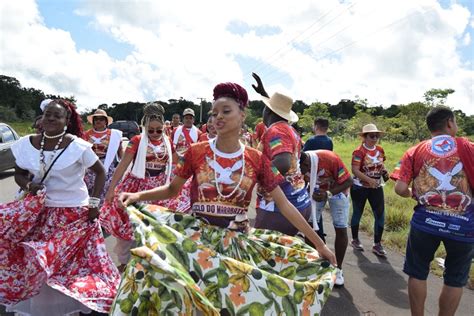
(373, 286)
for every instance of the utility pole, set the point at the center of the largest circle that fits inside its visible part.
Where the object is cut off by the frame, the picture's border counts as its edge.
(200, 110)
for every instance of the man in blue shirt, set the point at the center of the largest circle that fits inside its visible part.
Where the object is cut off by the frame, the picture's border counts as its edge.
(320, 140)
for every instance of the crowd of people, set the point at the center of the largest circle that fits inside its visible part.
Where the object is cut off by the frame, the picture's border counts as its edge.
(176, 200)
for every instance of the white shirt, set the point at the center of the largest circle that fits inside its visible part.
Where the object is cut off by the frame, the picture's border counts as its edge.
(65, 186)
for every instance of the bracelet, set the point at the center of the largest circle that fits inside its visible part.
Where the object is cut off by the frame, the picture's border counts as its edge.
(94, 202)
(27, 187)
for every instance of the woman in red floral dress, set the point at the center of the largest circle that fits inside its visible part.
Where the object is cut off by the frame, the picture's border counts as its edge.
(53, 259)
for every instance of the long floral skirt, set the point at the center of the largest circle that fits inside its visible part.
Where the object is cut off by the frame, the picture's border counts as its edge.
(89, 179)
(183, 265)
(56, 246)
(115, 220)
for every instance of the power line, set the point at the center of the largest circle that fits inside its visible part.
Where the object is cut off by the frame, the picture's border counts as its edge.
(264, 62)
(358, 40)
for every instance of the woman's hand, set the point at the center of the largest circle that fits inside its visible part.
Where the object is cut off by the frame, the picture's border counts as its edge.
(373, 183)
(126, 198)
(326, 253)
(93, 213)
(35, 187)
(109, 196)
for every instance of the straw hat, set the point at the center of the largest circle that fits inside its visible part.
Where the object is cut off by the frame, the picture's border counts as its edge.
(102, 113)
(281, 105)
(370, 128)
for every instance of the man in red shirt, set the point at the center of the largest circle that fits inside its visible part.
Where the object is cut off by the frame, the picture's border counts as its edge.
(441, 171)
(186, 134)
(330, 181)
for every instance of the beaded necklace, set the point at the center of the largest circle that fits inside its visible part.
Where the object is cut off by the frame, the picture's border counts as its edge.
(214, 148)
(158, 147)
(41, 153)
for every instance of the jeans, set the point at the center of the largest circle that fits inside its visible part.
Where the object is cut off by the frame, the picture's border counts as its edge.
(359, 196)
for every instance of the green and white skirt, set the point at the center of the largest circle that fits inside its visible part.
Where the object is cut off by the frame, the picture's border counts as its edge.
(183, 265)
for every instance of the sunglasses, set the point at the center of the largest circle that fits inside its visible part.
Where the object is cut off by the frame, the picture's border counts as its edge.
(373, 136)
(100, 118)
(153, 131)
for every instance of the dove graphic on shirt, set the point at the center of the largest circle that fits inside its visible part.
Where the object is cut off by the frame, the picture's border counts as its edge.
(223, 175)
(155, 148)
(97, 140)
(375, 158)
(444, 179)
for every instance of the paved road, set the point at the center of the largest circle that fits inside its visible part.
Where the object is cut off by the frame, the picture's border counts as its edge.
(373, 286)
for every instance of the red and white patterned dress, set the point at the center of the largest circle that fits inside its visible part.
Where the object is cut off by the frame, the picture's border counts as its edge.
(100, 143)
(47, 241)
(113, 218)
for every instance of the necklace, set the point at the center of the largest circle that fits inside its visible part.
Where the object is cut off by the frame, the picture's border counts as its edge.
(225, 196)
(157, 148)
(368, 148)
(41, 153)
(54, 136)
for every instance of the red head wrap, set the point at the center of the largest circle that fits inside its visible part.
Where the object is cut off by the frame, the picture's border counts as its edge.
(233, 91)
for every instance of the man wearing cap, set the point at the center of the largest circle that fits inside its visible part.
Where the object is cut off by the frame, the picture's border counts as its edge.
(186, 134)
(107, 145)
(282, 145)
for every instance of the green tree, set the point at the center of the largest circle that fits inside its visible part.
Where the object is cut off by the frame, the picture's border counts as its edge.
(414, 114)
(313, 111)
(435, 97)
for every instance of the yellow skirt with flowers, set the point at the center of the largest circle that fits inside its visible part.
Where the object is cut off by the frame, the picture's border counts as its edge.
(182, 265)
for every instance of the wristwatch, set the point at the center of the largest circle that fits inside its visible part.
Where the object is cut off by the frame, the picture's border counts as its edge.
(328, 194)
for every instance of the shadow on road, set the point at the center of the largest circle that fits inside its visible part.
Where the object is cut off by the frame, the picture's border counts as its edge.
(377, 275)
(340, 302)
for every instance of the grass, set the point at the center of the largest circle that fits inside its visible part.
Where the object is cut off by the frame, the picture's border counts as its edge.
(398, 210)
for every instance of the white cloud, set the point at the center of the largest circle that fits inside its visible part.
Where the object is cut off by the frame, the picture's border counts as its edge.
(390, 52)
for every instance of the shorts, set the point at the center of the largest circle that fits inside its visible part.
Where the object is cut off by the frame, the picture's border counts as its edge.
(276, 221)
(339, 208)
(421, 248)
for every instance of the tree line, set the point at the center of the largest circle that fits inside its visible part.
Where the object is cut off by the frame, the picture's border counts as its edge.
(401, 122)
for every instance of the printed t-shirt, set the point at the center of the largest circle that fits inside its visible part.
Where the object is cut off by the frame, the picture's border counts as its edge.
(441, 187)
(99, 140)
(331, 170)
(370, 162)
(279, 138)
(206, 164)
(184, 140)
(156, 155)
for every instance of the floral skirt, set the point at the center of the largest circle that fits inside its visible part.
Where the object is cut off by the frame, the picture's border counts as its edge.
(182, 265)
(115, 220)
(56, 246)
(89, 179)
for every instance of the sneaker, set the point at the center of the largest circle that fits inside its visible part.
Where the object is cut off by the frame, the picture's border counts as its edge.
(339, 278)
(357, 245)
(379, 251)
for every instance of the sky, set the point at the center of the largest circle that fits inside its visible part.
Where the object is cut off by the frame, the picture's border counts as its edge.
(113, 51)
